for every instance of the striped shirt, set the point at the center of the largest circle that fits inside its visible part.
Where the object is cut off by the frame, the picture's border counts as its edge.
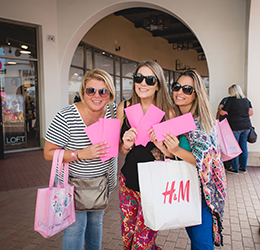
(67, 131)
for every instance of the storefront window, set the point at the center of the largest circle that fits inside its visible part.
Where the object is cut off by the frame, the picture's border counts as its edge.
(19, 87)
(104, 61)
(128, 67)
(88, 57)
(121, 70)
(75, 79)
(77, 59)
(19, 105)
(118, 91)
(127, 88)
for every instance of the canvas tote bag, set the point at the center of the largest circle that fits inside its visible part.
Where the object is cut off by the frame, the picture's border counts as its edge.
(55, 205)
(170, 194)
(228, 144)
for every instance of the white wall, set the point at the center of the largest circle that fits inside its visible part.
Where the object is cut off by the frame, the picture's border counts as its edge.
(253, 70)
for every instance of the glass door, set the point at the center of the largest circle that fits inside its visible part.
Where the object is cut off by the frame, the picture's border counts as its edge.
(19, 87)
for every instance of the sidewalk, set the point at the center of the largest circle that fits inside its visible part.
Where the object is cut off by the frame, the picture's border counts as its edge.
(21, 174)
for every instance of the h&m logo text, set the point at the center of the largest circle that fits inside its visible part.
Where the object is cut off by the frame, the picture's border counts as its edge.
(182, 192)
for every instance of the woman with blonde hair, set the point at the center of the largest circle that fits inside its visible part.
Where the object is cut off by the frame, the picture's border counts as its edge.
(200, 148)
(239, 110)
(149, 88)
(67, 132)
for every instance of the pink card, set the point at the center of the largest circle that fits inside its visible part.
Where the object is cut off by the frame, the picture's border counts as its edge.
(152, 116)
(105, 130)
(111, 132)
(177, 126)
(93, 134)
(134, 114)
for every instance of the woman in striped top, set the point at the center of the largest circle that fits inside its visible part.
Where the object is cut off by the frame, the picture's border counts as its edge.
(67, 132)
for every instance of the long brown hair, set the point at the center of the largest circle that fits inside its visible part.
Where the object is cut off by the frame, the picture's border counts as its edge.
(201, 106)
(162, 99)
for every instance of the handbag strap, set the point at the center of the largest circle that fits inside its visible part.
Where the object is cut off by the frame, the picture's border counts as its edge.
(53, 167)
(62, 165)
(112, 112)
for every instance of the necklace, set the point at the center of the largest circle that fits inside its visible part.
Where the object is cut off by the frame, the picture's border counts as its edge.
(91, 116)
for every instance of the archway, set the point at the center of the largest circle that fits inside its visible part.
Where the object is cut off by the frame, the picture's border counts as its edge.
(98, 17)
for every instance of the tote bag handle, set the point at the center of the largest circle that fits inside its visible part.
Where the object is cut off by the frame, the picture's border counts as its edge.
(53, 168)
(60, 167)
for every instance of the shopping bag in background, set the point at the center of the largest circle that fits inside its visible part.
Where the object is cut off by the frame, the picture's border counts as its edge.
(55, 205)
(228, 144)
(170, 194)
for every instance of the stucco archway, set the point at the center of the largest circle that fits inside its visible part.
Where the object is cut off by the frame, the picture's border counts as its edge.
(87, 24)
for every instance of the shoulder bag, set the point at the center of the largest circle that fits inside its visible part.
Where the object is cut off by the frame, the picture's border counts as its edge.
(92, 194)
(252, 136)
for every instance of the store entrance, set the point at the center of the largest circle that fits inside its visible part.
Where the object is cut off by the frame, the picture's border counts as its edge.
(19, 88)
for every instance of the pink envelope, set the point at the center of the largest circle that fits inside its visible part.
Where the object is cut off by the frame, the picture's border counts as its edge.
(152, 116)
(105, 130)
(93, 134)
(134, 114)
(111, 132)
(177, 126)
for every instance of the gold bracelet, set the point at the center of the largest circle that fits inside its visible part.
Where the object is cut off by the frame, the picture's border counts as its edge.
(77, 155)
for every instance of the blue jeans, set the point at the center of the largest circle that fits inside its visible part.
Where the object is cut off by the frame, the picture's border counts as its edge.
(88, 227)
(241, 137)
(201, 236)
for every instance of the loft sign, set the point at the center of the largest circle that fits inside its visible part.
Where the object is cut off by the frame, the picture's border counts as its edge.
(15, 140)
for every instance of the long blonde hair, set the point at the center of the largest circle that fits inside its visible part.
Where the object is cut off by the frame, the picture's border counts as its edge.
(162, 97)
(201, 106)
(235, 90)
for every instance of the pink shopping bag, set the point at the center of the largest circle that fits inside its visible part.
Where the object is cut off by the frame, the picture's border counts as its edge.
(228, 144)
(55, 208)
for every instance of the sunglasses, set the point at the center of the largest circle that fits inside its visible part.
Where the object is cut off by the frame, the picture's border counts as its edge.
(186, 89)
(150, 80)
(92, 91)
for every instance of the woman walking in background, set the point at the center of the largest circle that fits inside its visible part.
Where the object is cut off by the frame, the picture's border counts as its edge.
(239, 110)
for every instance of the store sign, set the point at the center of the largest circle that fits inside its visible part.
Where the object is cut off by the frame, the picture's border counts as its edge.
(15, 140)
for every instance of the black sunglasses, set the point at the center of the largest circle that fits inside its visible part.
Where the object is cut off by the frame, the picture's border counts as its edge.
(187, 89)
(92, 91)
(150, 80)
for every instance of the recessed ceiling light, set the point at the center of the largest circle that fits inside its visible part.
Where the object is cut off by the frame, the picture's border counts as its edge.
(12, 62)
(25, 52)
(24, 46)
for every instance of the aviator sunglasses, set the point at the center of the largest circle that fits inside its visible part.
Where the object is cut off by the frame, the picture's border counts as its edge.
(150, 80)
(186, 89)
(92, 91)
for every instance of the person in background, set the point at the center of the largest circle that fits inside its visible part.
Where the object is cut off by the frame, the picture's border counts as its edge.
(239, 110)
(149, 88)
(227, 164)
(200, 148)
(67, 132)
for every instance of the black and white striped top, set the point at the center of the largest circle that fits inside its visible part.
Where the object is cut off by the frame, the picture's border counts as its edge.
(67, 131)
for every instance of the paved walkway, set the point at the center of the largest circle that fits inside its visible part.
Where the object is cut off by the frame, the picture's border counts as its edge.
(21, 174)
